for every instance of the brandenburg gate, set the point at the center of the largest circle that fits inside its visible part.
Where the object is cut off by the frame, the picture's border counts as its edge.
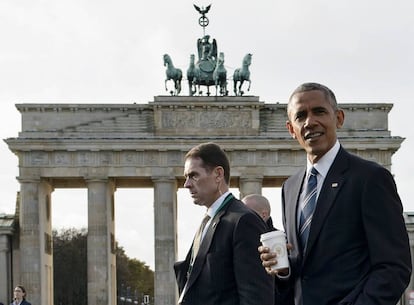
(103, 147)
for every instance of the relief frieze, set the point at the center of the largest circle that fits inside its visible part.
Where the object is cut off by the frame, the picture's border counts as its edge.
(151, 158)
(263, 158)
(206, 119)
(106, 158)
(285, 157)
(39, 158)
(168, 158)
(132, 158)
(62, 158)
(239, 157)
(175, 158)
(85, 158)
(128, 158)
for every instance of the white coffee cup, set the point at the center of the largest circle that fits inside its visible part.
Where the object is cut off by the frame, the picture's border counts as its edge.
(276, 242)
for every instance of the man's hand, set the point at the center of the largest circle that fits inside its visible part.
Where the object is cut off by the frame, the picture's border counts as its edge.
(269, 259)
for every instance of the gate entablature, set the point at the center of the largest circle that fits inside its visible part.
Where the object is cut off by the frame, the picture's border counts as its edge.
(72, 141)
(131, 121)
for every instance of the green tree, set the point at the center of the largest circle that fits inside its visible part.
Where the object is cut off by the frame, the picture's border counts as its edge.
(134, 274)
(69, 267)
(70, 270)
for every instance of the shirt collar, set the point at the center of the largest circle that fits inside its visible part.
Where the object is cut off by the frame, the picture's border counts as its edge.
(324, 163)
(212, 210)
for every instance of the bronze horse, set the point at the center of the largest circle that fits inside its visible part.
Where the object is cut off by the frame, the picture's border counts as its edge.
(242, 74)
(174, 74)
(220, 76)
(192, 75)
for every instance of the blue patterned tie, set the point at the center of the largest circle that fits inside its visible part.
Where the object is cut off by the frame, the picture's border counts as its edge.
(308, 207)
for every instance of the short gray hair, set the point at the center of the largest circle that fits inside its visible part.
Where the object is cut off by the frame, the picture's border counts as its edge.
(319, 87)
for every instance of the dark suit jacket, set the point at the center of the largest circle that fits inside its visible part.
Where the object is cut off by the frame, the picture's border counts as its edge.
(228, 269)
(358, 249)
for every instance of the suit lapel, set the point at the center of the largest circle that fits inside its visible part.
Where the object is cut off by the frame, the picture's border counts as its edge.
(205, 245)
(334, 181)
(292, 200)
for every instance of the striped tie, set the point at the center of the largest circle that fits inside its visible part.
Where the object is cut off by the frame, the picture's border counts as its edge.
(308, 208)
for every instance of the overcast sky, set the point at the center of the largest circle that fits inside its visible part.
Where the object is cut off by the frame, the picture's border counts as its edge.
(99, 51)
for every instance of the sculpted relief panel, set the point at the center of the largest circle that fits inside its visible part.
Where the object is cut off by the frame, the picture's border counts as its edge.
(39, 158)
(206, 120)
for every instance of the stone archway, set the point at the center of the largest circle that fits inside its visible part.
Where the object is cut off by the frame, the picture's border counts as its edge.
(103, 147)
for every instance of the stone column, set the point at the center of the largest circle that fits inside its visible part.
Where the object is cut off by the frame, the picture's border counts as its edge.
(165, 222)
(250, 184)
(101, 243)
(5, 276)
(36, 261)
(410, 230)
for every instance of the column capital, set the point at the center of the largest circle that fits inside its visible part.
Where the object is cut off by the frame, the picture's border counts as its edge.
(251, 177)
(163, 179)
(96, 179)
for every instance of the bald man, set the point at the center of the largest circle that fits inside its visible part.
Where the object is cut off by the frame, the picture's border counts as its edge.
(261, 206)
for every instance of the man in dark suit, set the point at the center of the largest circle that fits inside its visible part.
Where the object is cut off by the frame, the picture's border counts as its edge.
(226, 269)
(260, 204)
(357, 249)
